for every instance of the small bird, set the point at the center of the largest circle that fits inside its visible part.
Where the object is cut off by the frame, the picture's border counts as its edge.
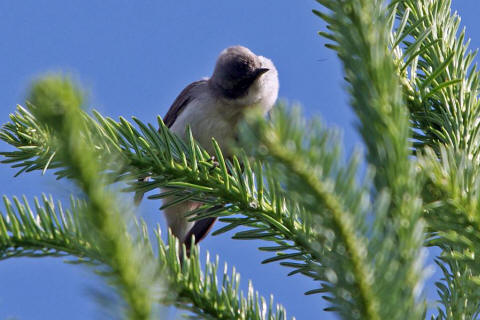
(213, 107)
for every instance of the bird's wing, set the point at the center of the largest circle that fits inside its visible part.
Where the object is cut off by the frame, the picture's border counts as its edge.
(181, 102)
(172, 114)
(201, 227)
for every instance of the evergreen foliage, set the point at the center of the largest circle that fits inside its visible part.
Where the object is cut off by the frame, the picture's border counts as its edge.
(362, 241)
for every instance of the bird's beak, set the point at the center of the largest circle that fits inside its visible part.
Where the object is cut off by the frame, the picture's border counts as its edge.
(261, 71)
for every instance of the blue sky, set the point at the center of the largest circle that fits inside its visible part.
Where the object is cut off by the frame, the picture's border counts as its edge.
(134, 57)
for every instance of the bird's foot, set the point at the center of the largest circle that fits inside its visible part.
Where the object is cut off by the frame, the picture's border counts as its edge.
(214, 163)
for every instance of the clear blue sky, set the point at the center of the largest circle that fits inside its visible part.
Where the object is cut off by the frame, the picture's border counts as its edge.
(135, 57)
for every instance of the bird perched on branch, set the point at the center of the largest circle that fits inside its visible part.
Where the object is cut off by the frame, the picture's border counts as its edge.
(213, 107)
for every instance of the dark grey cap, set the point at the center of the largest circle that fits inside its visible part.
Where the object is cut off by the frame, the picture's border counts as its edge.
(236, 69)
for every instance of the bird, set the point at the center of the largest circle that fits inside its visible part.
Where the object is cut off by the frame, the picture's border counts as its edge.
(212, 108)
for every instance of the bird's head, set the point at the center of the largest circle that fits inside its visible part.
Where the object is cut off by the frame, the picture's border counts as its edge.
(244, 77)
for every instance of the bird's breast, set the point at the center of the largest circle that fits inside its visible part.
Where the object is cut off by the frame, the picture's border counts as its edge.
(208, 119)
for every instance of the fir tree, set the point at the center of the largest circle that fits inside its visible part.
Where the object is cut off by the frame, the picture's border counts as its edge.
(409, 74)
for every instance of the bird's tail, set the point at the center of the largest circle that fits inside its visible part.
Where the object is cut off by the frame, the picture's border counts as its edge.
(199, 230)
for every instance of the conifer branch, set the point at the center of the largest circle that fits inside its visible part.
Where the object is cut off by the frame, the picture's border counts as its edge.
(360, 30)
(442, 84)
(49, 230)
(56, 102)
(188, 172)
(441, 87)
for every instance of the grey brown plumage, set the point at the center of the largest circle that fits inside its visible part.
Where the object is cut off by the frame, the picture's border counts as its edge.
(212, 108)
(181, 102)
(201, 227)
